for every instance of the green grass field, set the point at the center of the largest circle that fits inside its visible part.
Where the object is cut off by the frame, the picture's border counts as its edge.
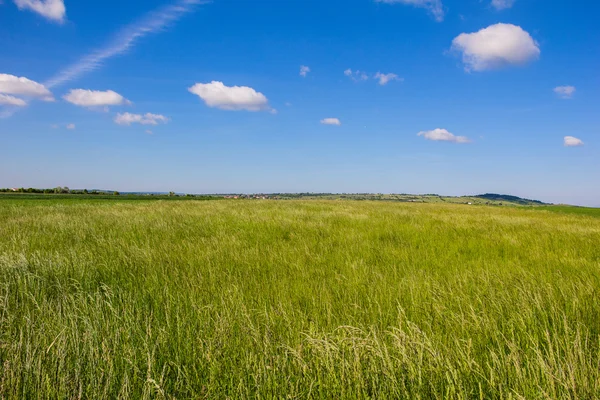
(297, 299)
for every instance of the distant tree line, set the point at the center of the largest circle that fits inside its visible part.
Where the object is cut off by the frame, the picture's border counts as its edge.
(104, 193)
(56, 190)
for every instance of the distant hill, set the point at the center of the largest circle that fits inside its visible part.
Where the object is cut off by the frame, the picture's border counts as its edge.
(482, 199)
(508, 198)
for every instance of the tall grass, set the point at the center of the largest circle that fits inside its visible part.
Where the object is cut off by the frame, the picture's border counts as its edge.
(333, 300)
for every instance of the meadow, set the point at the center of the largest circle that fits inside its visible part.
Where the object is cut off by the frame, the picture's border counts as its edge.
(297, 299)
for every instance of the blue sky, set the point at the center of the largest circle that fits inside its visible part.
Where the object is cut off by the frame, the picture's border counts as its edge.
(400, 96)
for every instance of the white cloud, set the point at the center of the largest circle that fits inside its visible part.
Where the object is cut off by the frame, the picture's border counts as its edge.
(435, 7)
(149, 132)
(20, 86)
(71, 126)
(496, 46)
(356, 75)
(384, 79)
(51, 9)
(571, 141)
(154, 21)
(331, 121)
(304, 70)
(502, 4)
(565, 92)
(6, 100)
(442, 135)
(95, 98)
(146, 119)
(232, 98)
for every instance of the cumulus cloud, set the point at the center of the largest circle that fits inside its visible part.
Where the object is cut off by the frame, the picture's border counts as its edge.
(435, 7)
(502, 4)
(20, 86)
(145, 119)
(356, 75)
(442, 135)
(154, 21)
(232, 98)
(565, 92)
(6, 100)
(384, 79)
(331, 121)
(95, 98)
(571, 141)
(496, 46)
(304, 70)
(71, 126)
(53, 10)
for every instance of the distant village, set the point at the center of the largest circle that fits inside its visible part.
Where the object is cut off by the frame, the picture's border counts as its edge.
(249, 196)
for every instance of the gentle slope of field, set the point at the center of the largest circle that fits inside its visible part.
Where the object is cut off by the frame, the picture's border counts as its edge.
(298, 299)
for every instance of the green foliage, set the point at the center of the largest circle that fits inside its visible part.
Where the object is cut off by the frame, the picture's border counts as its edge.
(296, 299)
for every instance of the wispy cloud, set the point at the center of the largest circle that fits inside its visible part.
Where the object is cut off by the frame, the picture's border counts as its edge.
(502, 4)
(331, 121)
(152, 22)
(384, 79)
(442, 135)
(146, 119)
(435, 7)
(565, 92)
(304, 70)
(356, 75)
(571, 141)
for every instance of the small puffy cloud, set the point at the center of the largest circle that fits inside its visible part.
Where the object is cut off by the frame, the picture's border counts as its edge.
(149, 132)
(571, 141)
(231, 98)
(331, 121)
(304, 70)
(71, 126)
(435, 7)
(442, 135)
(502, 4)
(496, 46)
(565, 92)
(384, 79)
(6, 100)
(356, 75)
(145, 119)
(53, 10)
(20, 86)
(95, 98)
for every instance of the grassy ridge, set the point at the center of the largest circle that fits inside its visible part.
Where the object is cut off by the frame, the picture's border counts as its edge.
(300, 299)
